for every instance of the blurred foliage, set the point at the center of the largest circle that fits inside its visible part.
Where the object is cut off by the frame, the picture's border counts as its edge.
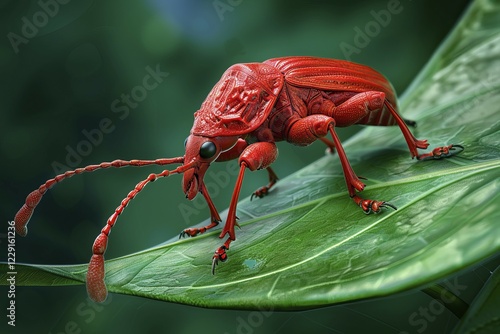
(64, 80)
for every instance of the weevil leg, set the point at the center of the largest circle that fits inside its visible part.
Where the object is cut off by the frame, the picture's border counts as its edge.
(329, 143)
(352, 180)
(368, 206)
(231, 215)
(414, 144)
(308, 129)
(214, 217)
(441, 152)
(263, 191)
(220, 254)
(256, 156)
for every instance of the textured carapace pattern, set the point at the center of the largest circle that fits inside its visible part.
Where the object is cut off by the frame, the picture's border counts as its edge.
(239, 102)
(350, 93)
(332, 75)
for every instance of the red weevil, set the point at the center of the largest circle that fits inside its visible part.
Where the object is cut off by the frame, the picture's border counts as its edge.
(254, 105)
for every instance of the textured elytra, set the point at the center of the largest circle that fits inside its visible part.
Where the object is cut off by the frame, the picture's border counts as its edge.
(240, 102)
(332, 75)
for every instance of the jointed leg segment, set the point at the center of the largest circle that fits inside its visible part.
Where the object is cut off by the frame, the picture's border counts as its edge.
(414, 144)
(317, 126)
(220, 253)
(263, 191)
(256, 156)
(353, 182)
(214, 217)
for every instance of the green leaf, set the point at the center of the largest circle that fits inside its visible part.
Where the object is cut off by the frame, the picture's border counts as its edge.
(306, 244)
(482, 317)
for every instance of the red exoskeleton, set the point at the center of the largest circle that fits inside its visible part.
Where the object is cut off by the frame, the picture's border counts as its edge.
(254, 105)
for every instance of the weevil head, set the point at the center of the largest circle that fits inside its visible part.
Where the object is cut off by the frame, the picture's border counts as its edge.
(201, 152)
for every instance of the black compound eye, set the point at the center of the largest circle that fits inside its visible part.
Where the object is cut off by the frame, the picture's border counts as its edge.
(207, 150)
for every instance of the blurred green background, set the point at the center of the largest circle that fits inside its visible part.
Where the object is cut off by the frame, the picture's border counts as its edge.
(67, 68)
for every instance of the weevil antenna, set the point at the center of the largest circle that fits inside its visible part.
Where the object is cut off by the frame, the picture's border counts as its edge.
(96, 288)
(24, 214)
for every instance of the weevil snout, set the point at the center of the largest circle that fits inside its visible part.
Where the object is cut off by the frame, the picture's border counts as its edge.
(190, 183)
(200, 152)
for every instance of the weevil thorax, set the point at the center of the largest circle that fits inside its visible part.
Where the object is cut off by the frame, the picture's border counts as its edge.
(240, 102)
